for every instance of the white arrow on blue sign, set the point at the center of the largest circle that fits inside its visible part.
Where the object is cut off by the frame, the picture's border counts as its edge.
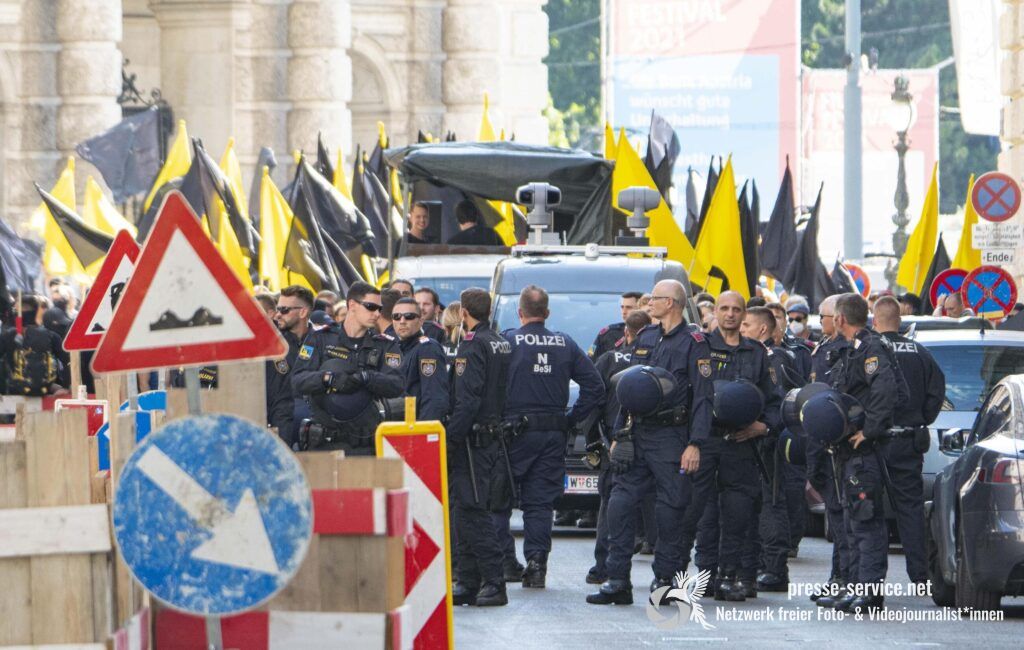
(213, 514)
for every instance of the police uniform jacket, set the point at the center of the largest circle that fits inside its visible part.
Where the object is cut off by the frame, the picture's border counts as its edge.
(820, 362)
(378, 355)
(683, 352)
(926, 382)
(748, 360)
(540, 368)
(426, 376)
(607, 339)
(608, 364)
(864, 369)
(783, 364)
(480, 373)
(802, 350)
(280, 399)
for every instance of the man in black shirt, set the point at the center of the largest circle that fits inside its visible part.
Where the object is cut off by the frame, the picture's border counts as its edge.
(471, 231)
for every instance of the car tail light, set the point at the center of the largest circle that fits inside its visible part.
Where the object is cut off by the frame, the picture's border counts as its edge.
(1007, 470)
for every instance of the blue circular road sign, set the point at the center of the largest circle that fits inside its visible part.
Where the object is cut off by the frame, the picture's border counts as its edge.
(213, 514)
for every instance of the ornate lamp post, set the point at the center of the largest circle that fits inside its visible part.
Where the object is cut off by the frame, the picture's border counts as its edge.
(902, 116)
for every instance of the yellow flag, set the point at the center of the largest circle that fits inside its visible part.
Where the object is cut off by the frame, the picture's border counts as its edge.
(609, 142)
(921, 245)
(179, 159)
(720, 242)
(229, 165)
(100, 213)
(486, 133)
(339, 181)
(58, 258)
(227, 244)
(275, 222)
(664, 231)
(967, 257)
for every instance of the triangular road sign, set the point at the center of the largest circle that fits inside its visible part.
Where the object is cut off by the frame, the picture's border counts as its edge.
(184, 306)
(98, 308)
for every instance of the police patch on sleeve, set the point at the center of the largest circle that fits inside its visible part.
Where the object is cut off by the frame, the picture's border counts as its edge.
(771, 373)
(871, 365)
(704, 366)
(460, 366)
(392, 360)
(306, 351)
(428, 367)
(281, 366)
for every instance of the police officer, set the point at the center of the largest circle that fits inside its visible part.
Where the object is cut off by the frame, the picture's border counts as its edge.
(541, 366)
(33, 358)
(646, 451)
(609, 337)
(801, 348)
(291, 316)
(608, 364)
(775, 522)
(904, 452)
(822, 469)
(478, 400)
(423, 363)
(732, 467)
(864, 369)
(342, 372)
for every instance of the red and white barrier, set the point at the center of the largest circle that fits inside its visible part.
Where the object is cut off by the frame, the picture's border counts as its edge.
(135, 634)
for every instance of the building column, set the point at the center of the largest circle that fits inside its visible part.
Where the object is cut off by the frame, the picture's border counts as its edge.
(88, 69)
(425, 69)
(319, 73)
(524, 75)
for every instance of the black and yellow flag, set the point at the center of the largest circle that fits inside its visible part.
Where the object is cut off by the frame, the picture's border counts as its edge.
(87, 244)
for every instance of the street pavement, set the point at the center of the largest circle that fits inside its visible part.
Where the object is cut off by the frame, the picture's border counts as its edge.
(558, 617)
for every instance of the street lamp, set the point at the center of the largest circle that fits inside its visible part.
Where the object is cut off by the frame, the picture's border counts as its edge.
(902, 116)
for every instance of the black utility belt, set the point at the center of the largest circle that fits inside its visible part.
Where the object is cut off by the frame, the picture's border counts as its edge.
(540, 422)
(675, 417)
(905, 432)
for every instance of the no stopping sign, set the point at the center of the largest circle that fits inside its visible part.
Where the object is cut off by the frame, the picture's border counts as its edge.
(989, 291)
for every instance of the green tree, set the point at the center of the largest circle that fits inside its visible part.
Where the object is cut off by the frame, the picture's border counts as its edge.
(907, 34)
(574, 69)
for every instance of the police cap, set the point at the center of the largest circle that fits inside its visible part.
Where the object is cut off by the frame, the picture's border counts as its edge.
(737, 404)
(644, 390)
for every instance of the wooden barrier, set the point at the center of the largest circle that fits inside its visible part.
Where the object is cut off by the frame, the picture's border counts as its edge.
(55, 546)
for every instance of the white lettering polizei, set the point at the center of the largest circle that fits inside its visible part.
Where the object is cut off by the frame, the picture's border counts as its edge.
(538, 339)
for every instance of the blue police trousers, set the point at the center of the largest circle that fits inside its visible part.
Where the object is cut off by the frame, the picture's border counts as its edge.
(477, 555)
(864, 513)
(538, 465)
(656, 466)
(905, 466)
(702, 513)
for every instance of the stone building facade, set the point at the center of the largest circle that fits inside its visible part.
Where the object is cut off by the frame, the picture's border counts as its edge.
(268, 72)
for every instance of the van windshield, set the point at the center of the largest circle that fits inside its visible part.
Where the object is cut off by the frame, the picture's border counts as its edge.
(580, 315)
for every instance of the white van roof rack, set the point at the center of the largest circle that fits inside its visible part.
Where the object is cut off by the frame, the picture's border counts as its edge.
(590, 251)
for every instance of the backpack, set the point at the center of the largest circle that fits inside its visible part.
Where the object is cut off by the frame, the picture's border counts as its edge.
(31, 368)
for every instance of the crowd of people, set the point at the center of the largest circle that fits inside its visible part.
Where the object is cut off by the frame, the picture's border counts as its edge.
(686, 418)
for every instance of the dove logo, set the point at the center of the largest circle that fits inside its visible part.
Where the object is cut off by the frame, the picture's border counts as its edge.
(673, 605)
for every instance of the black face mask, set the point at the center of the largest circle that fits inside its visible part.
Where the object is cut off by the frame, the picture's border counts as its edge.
(61, 304)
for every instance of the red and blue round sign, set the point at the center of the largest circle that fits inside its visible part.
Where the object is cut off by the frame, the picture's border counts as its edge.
(945, 283)
(989, 291)
(996, 196)
(860, 278)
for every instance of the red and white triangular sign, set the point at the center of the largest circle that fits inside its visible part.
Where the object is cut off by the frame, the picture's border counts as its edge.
(98, 308)
(183, 305)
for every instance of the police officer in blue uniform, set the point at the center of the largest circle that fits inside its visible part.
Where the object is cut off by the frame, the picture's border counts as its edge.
(344, 372)
(904, 452)
(423, 364)
(775, 523)
(609, 337)
(542, 364)
(866, 370)
(480, 373)
(728, 480)
(661, 448)
(291, 316)
(608, 365)
(822, 468)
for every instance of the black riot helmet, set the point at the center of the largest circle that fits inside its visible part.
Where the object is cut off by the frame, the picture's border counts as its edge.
(644, 390)
(795, 400)
(737, 404)
(830, 417)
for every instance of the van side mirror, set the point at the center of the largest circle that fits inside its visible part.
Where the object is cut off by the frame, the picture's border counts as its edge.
(952, 441)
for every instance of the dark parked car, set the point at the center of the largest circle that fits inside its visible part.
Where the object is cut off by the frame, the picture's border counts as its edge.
(975, 521)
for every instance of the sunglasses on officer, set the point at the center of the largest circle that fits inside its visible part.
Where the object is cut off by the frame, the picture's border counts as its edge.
(407, 315)
(372, 306)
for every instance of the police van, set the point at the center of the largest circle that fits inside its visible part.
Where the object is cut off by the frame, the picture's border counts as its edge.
(584, 284)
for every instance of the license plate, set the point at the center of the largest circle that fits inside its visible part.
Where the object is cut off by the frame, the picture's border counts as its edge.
(580, 484)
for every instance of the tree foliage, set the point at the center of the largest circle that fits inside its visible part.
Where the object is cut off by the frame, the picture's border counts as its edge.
(574, 69)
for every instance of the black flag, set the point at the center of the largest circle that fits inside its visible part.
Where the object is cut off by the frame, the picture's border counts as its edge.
(709, 191)
(807, 275)
(88, 244)
(842, 279)
(662, 150)
(127, 154)
(692, 209)
(748, 235)
(940, 263)
(779, 241)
